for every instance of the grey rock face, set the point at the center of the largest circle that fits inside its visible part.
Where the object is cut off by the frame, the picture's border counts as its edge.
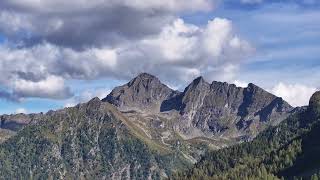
(314, 104)
(143, 93)
(216, 109)
(14, 122)
(224, 109)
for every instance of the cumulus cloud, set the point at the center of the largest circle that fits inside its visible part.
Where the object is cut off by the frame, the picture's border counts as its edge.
(240, 83)
(294, 94)
(21, 110)
(84, 23)
(179, 50)
(52, 42)
(50, 87)
(184, 51)
(86, 96)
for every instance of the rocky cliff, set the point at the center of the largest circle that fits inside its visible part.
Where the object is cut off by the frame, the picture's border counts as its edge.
(205, 110)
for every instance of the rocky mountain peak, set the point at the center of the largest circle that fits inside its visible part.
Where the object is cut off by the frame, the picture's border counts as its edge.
(314, 104)
(197, 84)
(205, 108)
(216, 85)
(144, 78)
(143, 93)
(252, 87)
(315, 99)
(199, 80)
(95, 100)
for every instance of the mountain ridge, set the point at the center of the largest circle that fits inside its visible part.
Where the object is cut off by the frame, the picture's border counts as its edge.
(146, 131)
(287, 151)
(246, 105)
(216, 110)
(90, 140)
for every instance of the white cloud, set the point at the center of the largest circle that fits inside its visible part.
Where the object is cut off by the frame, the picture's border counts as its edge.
(86, 96)
(214, 51)
(82, 5)
(94, 23)
(176, 41)
(217, 35)
(41, 71)
(294, 94)
(174, 5)
(12, 22)
(52, 42)
(50, 87)
(180, 50)
(21, 110)
(240, 83)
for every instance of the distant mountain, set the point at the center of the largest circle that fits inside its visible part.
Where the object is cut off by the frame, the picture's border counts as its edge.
(11, 124)
(290, 150)
(204, 110)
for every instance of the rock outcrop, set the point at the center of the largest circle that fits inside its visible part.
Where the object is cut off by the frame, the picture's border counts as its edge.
(314, 104)
(11, 124)
(216, 109)
(145, 93)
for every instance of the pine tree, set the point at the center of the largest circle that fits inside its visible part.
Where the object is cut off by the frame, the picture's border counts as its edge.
(314, 177)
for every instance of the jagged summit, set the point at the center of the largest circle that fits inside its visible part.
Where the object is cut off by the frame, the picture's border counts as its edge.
(143, 93)
(146, 76)
(95, 99)
(198, 84)
(205, 109)
(314, 104)
(254, 87)
(198, 80)
(143, 77)
(315, 99)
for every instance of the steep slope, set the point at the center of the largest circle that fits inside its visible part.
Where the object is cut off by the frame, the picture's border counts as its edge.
(11, 124)
(145, 93)
(156, 132)
(216, 111)
(288, 150)
(226, 110)
(90, 141)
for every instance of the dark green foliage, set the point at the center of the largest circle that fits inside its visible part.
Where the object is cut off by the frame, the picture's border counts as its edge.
(75, 144)
(290, 151)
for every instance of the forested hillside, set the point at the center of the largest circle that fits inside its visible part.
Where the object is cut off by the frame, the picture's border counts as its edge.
(89, 141)
(290, 150)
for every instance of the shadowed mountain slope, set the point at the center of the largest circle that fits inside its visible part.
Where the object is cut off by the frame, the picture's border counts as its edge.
(89, 141)
(290, 150)
(216, 109)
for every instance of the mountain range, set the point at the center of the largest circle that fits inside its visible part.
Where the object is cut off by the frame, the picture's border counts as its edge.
(216, 110)
(287, 151)
(146, 130)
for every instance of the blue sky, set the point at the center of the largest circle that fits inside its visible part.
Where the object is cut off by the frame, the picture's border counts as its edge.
(54, 62)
